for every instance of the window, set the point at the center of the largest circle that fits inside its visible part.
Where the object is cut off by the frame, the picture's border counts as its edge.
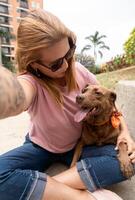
(4, 1)
(5, 40)
(24, 4)
(4, 20)
(35, 4)
(3, 9)
(6, 50)
(23, 13)
(4, 29)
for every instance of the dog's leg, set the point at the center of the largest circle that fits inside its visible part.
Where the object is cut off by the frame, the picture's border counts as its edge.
(125, 162)
(77, 153)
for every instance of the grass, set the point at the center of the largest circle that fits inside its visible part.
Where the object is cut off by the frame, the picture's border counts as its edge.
(109, 79)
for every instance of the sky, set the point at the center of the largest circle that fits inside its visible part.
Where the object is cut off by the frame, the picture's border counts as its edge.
(113, 18)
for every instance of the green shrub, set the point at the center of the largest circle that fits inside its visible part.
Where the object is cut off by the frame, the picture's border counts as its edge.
(129, 47)
(86, 60)
(118, 62)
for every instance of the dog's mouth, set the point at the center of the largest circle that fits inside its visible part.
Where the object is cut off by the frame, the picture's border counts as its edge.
(84, 112)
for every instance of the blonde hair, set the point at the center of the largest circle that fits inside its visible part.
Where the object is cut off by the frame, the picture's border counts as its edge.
(41, 29)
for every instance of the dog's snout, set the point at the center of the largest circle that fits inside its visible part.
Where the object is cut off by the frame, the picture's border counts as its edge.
(79, 98)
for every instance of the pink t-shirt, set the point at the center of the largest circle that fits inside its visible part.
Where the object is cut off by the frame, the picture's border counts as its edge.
(52, 127)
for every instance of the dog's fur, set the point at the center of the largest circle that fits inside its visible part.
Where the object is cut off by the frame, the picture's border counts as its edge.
(97, 126)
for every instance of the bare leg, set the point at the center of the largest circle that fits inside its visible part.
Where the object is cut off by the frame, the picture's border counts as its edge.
(71, 178)
(57, 191)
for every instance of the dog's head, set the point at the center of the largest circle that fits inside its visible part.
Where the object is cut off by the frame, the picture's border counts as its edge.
(96, 104)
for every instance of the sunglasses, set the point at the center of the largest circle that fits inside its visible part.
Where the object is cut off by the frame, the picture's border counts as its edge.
(58, 63)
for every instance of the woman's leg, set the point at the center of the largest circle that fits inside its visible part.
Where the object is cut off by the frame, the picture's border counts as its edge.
(19, 172)
(16, 182)
(57, 191)
(98, 168)
(71, 178)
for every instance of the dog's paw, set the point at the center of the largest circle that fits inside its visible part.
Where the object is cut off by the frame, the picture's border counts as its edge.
(127, 168)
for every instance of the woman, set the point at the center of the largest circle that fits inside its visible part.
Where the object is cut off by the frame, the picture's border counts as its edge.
(48, 83)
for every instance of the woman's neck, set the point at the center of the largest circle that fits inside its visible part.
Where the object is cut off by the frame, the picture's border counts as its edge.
(60, 81)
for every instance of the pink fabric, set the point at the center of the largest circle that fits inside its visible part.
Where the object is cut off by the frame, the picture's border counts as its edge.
(103, 194)
(51, 127)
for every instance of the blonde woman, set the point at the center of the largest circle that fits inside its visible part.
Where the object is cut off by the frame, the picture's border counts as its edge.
(47, 86)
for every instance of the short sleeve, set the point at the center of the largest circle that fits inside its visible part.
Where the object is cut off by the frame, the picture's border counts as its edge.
(29, 78)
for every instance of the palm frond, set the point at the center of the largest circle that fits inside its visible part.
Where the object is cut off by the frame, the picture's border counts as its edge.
(100, 53)
(85, 48)
(100, 42)
(105, 47)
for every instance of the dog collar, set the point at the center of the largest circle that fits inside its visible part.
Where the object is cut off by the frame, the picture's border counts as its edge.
(115, 119)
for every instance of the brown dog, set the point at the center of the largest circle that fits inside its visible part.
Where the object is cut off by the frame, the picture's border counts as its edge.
(101, 123)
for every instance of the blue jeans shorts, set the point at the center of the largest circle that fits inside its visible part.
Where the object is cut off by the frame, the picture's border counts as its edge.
(22, 169)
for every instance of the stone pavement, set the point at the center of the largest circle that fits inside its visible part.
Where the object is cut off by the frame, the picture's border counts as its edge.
(12, 134)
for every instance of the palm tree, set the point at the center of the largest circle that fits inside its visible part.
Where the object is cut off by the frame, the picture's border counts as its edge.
(96, 43)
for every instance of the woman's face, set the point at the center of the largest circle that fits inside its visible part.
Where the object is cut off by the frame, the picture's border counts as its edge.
(49, 56)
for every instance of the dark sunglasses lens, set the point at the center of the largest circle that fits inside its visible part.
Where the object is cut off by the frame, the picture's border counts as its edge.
(68, 56)
(57, 65)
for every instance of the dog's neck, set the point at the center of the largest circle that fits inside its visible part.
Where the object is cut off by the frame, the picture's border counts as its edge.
(113, 120)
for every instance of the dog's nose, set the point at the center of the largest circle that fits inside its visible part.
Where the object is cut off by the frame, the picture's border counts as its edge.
(79, 98)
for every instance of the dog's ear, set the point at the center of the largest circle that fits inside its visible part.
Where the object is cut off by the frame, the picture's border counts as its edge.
(113, 96)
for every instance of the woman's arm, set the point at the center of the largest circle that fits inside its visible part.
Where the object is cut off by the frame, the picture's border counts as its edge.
(12, 96)
(16, 95)
(126, 137)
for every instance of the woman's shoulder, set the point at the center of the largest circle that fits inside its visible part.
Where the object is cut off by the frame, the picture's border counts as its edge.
(26, 76)
(29, 78)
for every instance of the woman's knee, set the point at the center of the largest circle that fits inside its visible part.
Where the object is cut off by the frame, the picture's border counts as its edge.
(21, 184)
(100, 171)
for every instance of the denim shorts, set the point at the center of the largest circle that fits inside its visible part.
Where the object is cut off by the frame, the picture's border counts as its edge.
(22, 169)
(99, 167)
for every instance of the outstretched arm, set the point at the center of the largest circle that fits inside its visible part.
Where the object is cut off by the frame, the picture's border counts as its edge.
(12, 97)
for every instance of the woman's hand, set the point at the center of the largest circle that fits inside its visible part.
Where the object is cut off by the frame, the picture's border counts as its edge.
(125, 137)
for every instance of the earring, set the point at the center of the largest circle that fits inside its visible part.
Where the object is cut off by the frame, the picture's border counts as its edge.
(38, 73)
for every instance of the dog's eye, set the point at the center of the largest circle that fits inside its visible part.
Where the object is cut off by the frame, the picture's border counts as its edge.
(84, 90)
(98, 93)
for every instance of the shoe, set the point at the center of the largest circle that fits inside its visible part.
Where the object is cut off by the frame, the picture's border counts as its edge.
(103, 194)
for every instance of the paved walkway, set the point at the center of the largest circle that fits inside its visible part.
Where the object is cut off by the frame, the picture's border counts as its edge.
(12, 131)
(12, 134)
